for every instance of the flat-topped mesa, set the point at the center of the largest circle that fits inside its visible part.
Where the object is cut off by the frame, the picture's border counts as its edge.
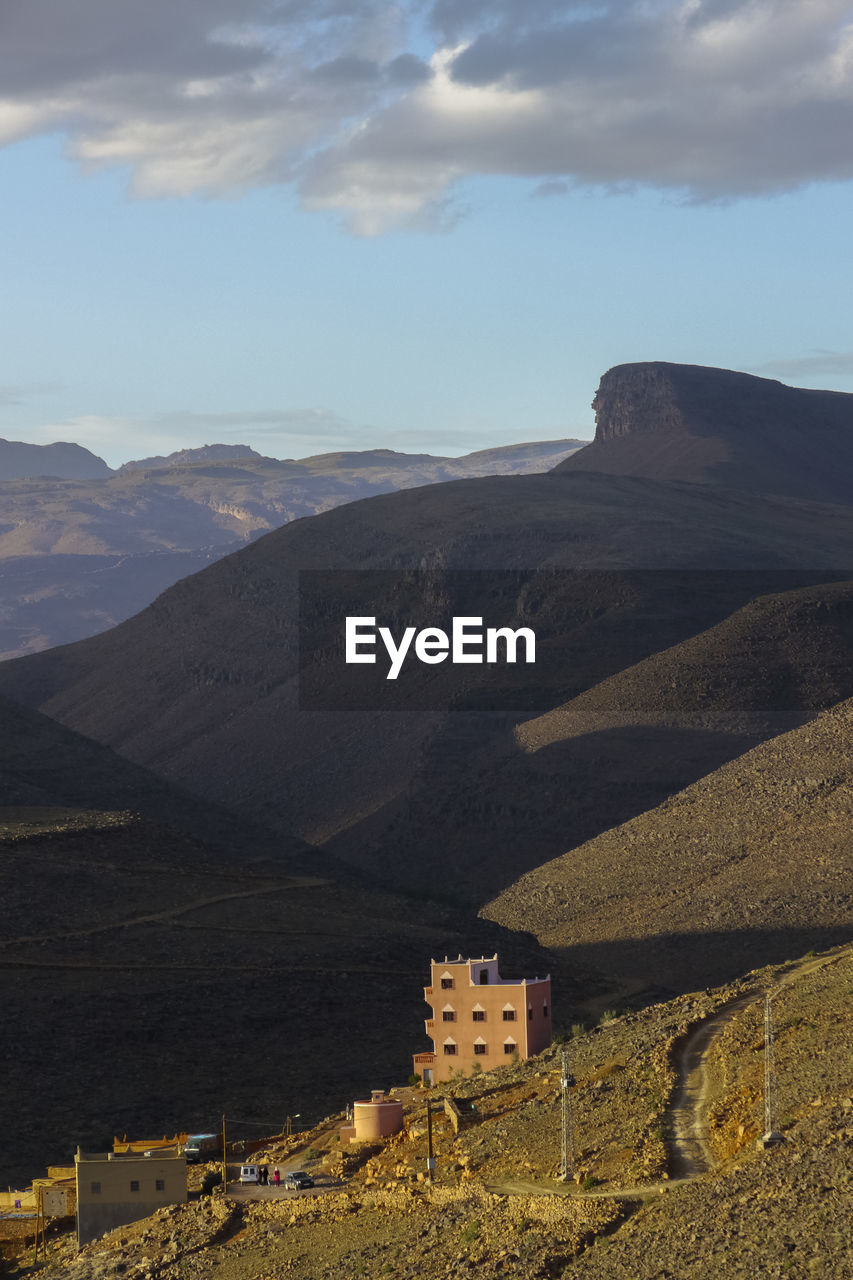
(717, 426)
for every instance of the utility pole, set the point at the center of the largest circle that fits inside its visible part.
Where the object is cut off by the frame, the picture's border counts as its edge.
(430, 1156)
(40, 1226)
(771, 1137)
(224, 1160)
(567, 1150)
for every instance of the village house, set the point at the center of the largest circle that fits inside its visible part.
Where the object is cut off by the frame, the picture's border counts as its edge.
(481, 1020)
(113, 1190)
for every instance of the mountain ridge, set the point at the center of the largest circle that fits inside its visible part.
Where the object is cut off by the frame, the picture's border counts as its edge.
(716, 426)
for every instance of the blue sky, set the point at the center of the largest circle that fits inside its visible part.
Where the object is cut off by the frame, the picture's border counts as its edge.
(349, 223)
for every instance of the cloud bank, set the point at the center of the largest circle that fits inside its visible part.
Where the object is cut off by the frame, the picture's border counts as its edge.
(378, 109)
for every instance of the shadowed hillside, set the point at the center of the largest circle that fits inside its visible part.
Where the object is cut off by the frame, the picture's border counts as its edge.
(761, 848)
(715, 426)
(202, 685)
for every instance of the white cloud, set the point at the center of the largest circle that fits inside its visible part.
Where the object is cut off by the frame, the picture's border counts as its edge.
(714, 99)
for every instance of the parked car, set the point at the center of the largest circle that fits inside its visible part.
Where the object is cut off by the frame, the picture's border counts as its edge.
(248, 1173)
(298, 1179)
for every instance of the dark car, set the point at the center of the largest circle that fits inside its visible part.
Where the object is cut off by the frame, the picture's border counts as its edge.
(298, 1179)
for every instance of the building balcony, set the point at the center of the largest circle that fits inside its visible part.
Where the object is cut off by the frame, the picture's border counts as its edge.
(430, 1025)
(427, 992)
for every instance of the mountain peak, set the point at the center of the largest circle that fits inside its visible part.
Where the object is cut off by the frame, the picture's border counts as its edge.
(705, 425)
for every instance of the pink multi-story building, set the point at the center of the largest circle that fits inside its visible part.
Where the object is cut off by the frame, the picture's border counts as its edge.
(479, 1018)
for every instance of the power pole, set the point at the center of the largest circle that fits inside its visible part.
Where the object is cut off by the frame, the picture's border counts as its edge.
(567, 1150)
(224, 1160)
(430, 1156)
(771, 1137)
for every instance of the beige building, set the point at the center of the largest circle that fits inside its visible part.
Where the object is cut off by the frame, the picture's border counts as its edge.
(480, 1019)
(115, 1189)
(373, 1118)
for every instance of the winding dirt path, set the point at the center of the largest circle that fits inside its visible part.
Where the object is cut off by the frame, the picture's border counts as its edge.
(169, 913)
(686, 1117)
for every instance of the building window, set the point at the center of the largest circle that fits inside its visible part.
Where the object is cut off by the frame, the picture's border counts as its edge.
(160, 1184)
(484, 977)
(529, 1013)
(509, 1047)
(447, 984)
(479, 1015)
(96, 1188)
(479, 1048)
(450, 1049)
(509, 1015)
(447, 1015)
(134, 1186)
(544, 1011)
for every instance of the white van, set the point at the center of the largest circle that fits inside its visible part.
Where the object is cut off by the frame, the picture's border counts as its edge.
(248, 1173)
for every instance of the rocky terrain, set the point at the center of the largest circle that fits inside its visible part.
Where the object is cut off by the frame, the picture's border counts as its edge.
(153, 979)
(86, 548)
(716, 426)
(755, 858)
(497, 1207)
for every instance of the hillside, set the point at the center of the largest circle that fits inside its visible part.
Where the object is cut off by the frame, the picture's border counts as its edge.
(716, 426)
(50, 773)
(753, 861)
(77, 557)
(202, 685)
(182, 983)
(63, 461)
(496, 1207)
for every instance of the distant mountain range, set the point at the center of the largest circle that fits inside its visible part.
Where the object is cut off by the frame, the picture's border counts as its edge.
(78, 556)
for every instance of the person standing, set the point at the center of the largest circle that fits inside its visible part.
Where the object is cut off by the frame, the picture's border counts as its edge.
(276, 1177)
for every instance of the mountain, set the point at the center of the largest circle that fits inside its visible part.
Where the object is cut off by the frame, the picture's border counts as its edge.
(77, 558)
(59, 461)
(715, 426)
(203, 685)
(186, 457)
(186, 960)
(754, 860)
(49, 773)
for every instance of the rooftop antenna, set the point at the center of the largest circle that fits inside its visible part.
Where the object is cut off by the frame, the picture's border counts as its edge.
(771, 1136)
(567, 1151)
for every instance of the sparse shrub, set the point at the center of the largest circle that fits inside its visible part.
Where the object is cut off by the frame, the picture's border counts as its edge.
(590, 1181)
(414, 1078)
(609, 1015)
(477, 1069)
(471, 1231)
(313, 1153)
(524, 1225)
(530, 1243)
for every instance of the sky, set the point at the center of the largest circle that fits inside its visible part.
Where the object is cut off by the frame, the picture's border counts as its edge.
(430, 225)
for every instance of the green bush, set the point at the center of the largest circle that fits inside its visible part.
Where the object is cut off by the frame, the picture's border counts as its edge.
(471, 1231)
(590, 1182)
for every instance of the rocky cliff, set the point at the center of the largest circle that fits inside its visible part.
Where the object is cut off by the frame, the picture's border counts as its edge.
(717, 426)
